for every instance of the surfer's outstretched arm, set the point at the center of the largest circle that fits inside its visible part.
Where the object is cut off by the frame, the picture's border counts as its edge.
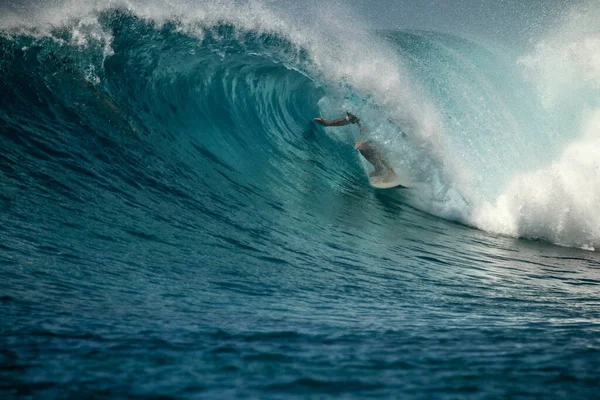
(333, 122)
(348, 119)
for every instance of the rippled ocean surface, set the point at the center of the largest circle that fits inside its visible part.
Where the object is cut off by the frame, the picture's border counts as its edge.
(172, 225)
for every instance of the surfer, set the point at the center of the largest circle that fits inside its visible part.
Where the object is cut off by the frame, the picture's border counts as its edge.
(368, 149)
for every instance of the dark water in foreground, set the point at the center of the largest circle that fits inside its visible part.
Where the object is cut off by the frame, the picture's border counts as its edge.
(179, 231)
(428, 309)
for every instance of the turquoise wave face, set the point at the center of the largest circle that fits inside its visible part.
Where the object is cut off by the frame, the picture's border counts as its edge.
(200, 117)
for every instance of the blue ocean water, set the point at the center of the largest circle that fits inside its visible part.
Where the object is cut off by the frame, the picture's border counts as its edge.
(173, 225)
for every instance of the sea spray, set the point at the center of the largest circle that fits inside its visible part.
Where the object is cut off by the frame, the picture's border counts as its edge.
(560, 202)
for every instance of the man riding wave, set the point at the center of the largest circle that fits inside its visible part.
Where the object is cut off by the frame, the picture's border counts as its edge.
(368, 149)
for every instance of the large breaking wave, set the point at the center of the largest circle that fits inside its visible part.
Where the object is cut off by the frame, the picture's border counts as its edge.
(200, 117)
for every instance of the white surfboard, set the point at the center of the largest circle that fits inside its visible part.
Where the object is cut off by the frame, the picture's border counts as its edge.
(399, 178)
(390, 181)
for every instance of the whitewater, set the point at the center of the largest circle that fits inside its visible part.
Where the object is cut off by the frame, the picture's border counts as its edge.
(173, 224)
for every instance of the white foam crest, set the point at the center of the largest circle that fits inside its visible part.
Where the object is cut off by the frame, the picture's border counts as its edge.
(560, 203)
(192, 15)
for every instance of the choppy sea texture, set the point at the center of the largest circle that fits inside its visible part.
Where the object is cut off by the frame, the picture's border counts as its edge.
(172, 225)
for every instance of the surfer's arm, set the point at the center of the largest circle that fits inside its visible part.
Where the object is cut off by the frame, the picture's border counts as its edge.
(348, 119)
(334, 122)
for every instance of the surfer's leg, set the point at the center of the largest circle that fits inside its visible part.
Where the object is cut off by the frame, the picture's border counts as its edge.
(373, 155)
